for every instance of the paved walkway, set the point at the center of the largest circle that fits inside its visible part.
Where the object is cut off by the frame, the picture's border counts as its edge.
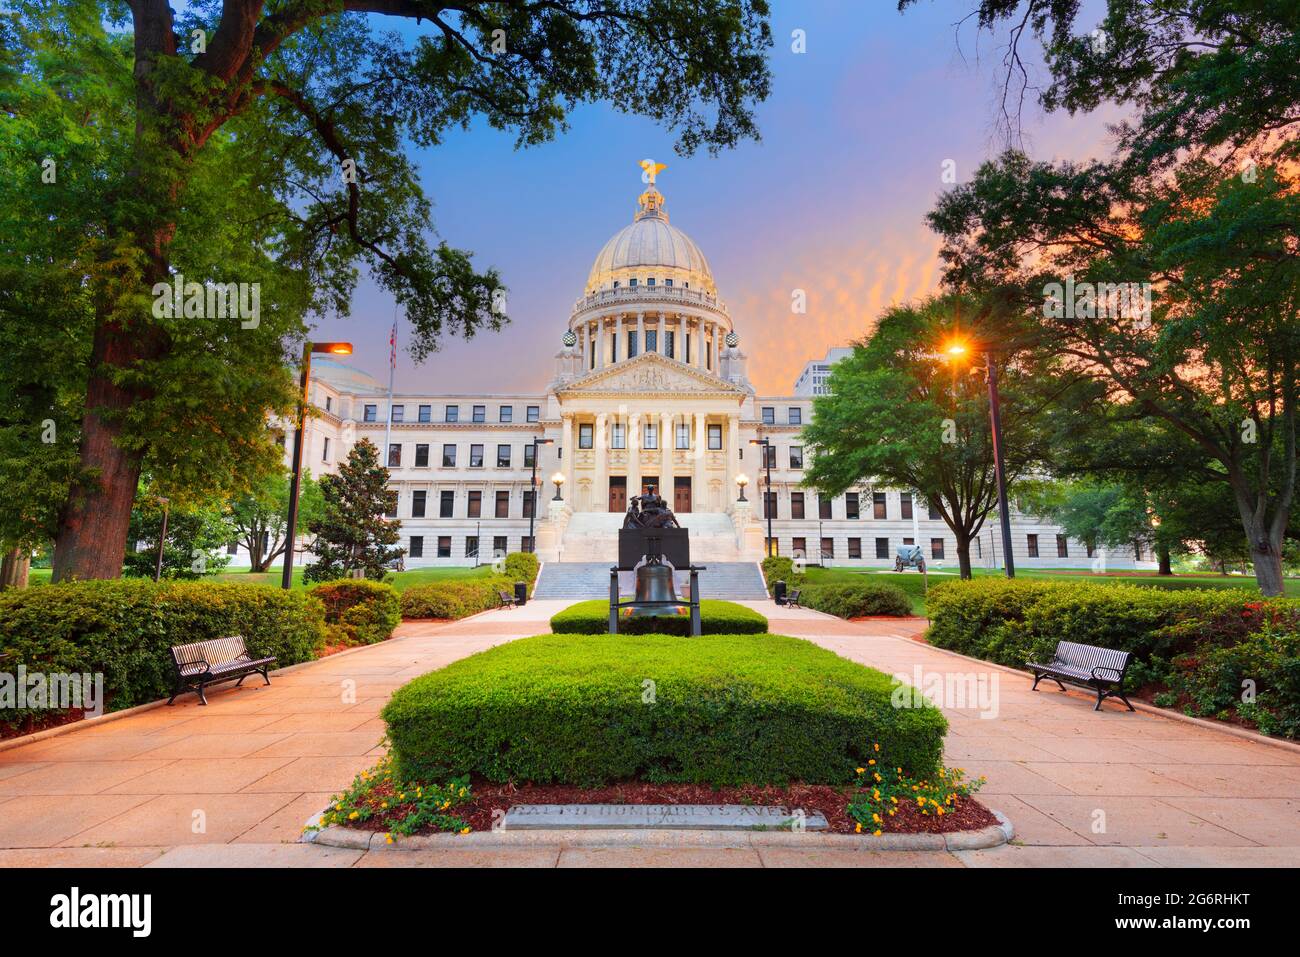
(232, 783)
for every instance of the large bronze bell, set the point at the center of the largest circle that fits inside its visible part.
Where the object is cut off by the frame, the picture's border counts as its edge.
(655, 593)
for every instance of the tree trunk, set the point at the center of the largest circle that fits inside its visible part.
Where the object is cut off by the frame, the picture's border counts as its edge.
(1267, 559)
(14, 569)
(963, 557)
(1166, 564)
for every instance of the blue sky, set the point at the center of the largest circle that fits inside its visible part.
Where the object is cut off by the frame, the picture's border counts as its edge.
(831, 201)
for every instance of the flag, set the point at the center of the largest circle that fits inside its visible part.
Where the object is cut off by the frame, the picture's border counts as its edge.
(392, 347)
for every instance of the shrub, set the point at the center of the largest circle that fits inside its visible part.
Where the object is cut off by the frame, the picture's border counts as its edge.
(857, 599)
(455, 597)
(1212, 680)
(716, 618)
(778, 568)
(359, 611)
(722, 710)
(123, 629)
(522, 567)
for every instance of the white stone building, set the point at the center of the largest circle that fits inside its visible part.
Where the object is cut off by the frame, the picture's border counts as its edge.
(814, 380)
(649, 388)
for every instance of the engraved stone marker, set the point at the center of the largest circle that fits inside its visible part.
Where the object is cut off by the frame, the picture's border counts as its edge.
(708, 817)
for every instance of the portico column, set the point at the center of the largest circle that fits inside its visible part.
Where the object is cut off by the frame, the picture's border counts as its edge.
(633, 444)
(662, 337)
(570, 453)
(600, 343)
(620, 338)
(666, 454)
(699, 343)
(601, 484)
(640, 333)
(681, 338)
(733, 455)
(699, 449)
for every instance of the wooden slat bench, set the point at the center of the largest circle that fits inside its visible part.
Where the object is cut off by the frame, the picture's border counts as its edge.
(792, 598)
(1098, 669)
(204, 663)
(507, 600)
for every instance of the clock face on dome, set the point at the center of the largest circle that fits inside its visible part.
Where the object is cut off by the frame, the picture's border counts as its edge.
(570, 338)
(732, 340)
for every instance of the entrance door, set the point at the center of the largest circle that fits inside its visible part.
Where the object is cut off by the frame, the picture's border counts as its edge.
(648, 482)
(682, 493)
(618, 493)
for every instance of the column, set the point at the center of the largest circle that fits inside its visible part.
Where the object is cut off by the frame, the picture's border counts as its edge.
(633, 455)
(570, 453)
(699, 343)
(733, 455)
(699, 449)
(600, 484)
(601, 344)
(640, 333)
(662, 337)
(681, 338)
(582, 346)
(620, 338)
(666, 455)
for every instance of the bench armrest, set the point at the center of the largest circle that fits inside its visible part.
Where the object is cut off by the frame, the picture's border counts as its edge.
(1115, 671)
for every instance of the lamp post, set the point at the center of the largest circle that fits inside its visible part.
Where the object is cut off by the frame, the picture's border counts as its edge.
(956, 350)
(558, 479)
(532, 490)
(742, 480)
(162, 538)
(768, 508)
(291, 531)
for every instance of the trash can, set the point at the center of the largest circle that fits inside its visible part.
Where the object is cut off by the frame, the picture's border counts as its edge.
(778, 592)
(521, 593)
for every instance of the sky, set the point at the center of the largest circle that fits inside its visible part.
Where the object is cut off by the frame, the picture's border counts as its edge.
(855, 136)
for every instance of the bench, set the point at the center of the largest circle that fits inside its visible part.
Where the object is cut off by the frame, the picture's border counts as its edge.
(203, 663)
(1098, 669)
(507, 600)
(792, 598)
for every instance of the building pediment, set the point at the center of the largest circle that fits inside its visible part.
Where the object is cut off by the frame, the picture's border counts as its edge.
(650, 374)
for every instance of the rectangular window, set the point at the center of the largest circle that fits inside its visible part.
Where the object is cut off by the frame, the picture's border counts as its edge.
(905, 499)
(651, 436)
(418, 499)
(399, 413)
(476, 456)
(851, 505)
(670, 344)
(503, 456)
(824, 507)
(774, 546)
(796, 456)
(909, 541)
(530, 455)
(769, 505)
(446, 503)
(503, 504)
(683, 435)
(329, 403)
(395, 455)
(769, 415)
(1032, 542)
(390, 508)
(1062, 547)
(415, 549)
(526, 543)
(936, 548)
(933, 512)
(471, 546)
(715, 437)
(528, 503)
(794, 415)
(371, 414)
(499, 546)
(474, 508)
(828, 547)
(855, 548)
(882, 548)
(449, 456)
(452, 414)
(799, 547)
(506, 413)
(479, 413)
(769, 456)
(796, 504)
(585, 435)
(652, 340)
(879, 505)
(534, 413)
(444, 546)
(325, 450)
(631, 343)
(425, 413)
(618, 436)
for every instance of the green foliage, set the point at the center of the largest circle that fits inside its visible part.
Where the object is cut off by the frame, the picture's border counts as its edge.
(716, 618)
(352, 533)
(402, 807)
(357, 611)
(720, 709)
(262, 515)
(522, 567)
(123, 629)
(778, 568)
(857, 599)
(455, 598)
(1256, 680)
(196, 538)
(883, 786)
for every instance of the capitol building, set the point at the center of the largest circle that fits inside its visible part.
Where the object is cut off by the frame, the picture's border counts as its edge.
(650, 388)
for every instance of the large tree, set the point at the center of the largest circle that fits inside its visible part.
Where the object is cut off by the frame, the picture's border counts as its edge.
(904, 412)
(260, 518)
(263, 142)
(1198, 209)
(352, 534)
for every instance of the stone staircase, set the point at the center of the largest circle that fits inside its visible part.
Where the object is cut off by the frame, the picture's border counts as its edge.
(582, 580)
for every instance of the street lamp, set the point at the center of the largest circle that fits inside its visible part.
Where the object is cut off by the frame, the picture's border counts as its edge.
(532, 509)
(333, 348)
(742, 480)
(558, 479)
(768, 494)
(956, 349)
(162, 538)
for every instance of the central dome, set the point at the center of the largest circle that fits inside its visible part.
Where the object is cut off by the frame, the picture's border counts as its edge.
(651, 252)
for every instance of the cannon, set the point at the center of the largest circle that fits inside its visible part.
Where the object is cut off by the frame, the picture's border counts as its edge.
(909, 556)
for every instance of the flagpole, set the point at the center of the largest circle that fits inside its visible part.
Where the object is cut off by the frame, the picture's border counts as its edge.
(392, 371)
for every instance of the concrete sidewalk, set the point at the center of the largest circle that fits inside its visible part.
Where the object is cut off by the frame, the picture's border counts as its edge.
(231, 784)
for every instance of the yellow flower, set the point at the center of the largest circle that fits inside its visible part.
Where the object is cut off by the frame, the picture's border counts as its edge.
(872, 761)
(891, 812)
(877, 777)
(858, 829)
(861, 770)
(464, 830)
(388, 838)
(876, 747)
(876, 833)
(875, 818)
(354, 815)
(383, 805)
(939, 811)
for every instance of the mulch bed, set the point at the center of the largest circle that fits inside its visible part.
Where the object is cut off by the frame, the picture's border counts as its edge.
(486, 797)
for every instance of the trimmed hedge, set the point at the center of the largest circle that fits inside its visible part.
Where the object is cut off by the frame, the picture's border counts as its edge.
(1198, 643)
(358, 611)
(124, 628)
(857, 599)
(720, 709)
(455, 597)
(522, 567)
(716, 618)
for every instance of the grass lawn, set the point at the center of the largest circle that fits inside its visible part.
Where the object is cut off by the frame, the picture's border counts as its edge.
(914, 584)
(399, 580)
